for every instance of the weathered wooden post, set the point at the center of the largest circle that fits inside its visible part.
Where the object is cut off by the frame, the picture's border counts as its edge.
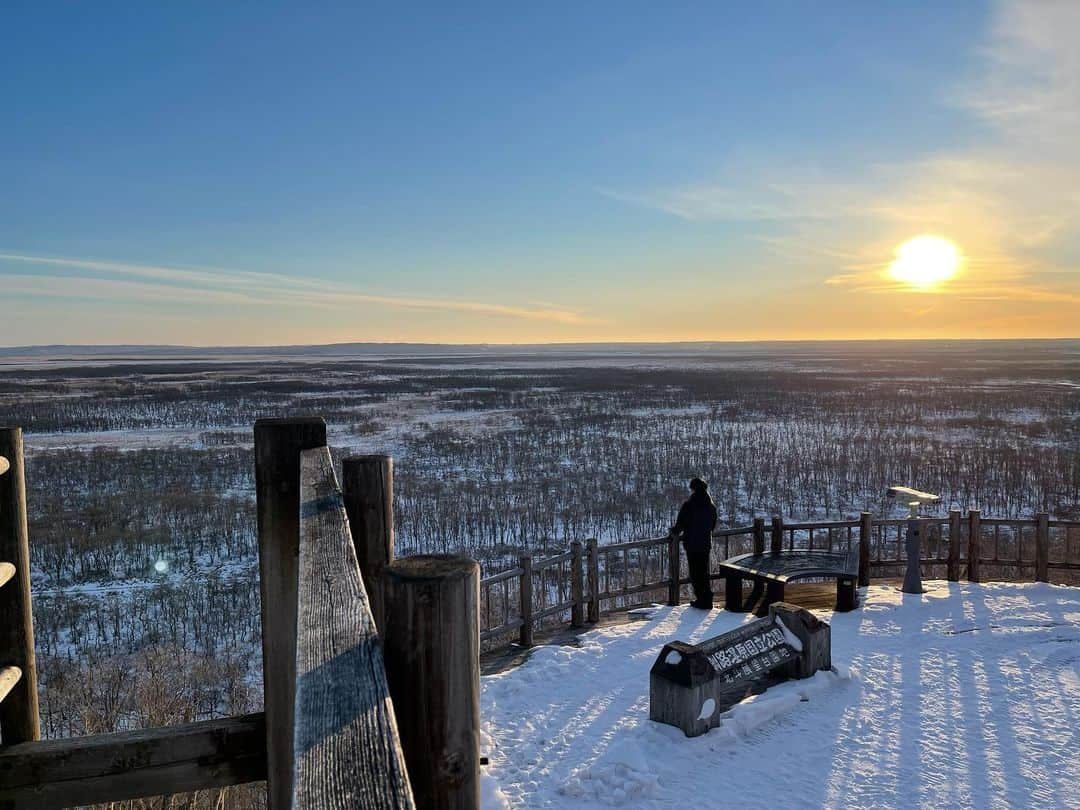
(367, 484)
(278, 443)
(759, 535)
(1042, 547)
(525, 636)
(777, 538)
(953, 565)
(577, 585)
(431, 643)
(866, 531)
(973, 545)
(19, 710)
(594, 579)
(674, 570)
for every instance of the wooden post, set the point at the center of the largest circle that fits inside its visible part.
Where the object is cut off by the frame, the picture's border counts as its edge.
(577, 585)
(431, 646)
(973, 545)
(674, 571)
(759, 535)
(19, 710)
(594, 579)
(278, 443)
(777, 540)
(953, 566)
(1042, 547)
(525, 637)
(367, 484)
(866, 531)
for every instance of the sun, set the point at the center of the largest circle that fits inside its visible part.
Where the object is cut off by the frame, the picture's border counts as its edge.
(925, 261)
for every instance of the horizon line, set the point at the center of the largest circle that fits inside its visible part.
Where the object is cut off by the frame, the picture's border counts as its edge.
(564, 343)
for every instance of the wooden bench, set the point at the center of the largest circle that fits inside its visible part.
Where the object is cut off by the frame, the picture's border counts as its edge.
(774, 569)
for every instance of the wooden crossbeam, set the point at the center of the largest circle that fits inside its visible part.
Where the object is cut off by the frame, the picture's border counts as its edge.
(127, 765)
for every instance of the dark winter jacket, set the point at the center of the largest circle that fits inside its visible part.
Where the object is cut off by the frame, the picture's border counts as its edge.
(697, 519)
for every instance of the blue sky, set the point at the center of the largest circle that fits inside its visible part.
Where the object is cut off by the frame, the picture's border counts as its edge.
(265, 173)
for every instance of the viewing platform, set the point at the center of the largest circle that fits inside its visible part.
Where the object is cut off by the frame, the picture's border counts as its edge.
(372, 664)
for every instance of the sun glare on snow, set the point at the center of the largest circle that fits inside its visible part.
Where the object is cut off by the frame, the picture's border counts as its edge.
(925, 261)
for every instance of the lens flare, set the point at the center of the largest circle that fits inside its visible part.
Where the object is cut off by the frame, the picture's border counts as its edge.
(925, 261)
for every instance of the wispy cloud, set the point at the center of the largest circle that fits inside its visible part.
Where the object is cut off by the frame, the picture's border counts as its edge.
(1011, 200)
(106, 280)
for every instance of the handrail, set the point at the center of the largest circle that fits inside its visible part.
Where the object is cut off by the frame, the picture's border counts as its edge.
(345, 744)
(509, 574)
(824, 524)
(631, 579)
(547, 562)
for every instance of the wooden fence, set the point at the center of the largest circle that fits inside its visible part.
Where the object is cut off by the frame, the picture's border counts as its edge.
(328, 735)
(578, 585)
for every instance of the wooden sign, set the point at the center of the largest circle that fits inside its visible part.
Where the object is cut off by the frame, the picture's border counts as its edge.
(691, 685)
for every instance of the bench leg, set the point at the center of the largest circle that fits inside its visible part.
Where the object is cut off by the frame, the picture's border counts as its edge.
(847, 594)
(733, 593)
(774, 592)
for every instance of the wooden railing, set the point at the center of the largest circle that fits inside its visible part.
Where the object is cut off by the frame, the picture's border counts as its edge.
(327, 737)
(560, 589)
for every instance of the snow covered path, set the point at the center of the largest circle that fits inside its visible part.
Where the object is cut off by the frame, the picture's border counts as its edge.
(966, 696)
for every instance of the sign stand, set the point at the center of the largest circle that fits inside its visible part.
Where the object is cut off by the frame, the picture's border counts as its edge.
(691, 685)
(913, 541)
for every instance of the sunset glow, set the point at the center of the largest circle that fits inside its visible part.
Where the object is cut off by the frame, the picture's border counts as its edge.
(925, 262)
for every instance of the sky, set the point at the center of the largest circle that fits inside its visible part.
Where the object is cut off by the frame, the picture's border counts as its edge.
(276, 173)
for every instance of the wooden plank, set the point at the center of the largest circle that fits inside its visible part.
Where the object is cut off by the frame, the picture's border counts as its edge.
(650, 541)
(973, 550)
(577, 584)
(866, 530)
(821, 525)
(525, 638)
(346, 748)
(953, 570)
(7, 572)
(547, 562)
(278, 443)
(759, 535)
(1042, 547)
(734, 530)
(674, 566)
(132, 764)
(513, 572)
(433, 663)
(593, 613)
(367, 484)
(19, 712)
(777, 537)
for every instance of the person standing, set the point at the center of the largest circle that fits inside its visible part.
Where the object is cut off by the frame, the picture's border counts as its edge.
(694, 526)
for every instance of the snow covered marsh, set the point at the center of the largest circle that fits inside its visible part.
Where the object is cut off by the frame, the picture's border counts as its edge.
(966, 696)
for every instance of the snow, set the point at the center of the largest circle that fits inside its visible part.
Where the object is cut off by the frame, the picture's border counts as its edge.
(965, 696)
(792, 640)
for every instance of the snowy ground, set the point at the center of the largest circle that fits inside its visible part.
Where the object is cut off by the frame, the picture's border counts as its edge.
(968, 696)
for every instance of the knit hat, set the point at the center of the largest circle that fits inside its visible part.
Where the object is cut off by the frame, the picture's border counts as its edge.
(697, 485)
